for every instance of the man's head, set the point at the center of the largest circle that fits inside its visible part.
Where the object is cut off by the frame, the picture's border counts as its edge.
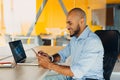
(76, 21)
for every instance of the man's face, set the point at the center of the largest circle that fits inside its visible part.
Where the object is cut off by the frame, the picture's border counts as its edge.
(73, 25)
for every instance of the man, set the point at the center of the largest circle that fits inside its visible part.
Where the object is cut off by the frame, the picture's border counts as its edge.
(85, 49)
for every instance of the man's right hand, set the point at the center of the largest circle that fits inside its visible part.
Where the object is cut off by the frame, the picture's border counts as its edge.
(44, 54)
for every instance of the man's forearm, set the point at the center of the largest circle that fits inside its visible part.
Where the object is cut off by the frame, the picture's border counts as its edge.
(65, 70)
(62, 69)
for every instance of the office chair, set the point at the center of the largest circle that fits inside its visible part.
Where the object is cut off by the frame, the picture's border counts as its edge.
(110, 41)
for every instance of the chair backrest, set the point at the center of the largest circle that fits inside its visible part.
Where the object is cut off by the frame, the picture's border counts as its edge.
(110, 41)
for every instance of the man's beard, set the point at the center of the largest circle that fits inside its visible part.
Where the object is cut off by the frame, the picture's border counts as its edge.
(76, 31)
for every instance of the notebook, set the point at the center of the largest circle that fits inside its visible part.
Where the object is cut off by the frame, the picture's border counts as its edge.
(19, 54)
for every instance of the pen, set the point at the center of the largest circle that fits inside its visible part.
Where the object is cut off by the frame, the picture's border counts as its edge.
(5, 63)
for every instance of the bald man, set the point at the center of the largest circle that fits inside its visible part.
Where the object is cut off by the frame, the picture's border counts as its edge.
(85, 49)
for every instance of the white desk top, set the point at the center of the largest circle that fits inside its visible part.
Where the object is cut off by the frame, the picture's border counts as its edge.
(22, 73)
(27, 72)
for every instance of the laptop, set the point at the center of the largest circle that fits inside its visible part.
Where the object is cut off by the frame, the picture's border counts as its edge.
(19, 54)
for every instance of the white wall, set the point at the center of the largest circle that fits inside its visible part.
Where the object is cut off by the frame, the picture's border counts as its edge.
(17, 12)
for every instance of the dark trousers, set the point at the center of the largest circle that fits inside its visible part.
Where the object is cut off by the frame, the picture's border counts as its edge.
(70, 78)
(90, 79)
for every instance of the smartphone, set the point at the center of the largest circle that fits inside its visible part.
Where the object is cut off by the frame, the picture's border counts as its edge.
(42, 53)
(34, 51)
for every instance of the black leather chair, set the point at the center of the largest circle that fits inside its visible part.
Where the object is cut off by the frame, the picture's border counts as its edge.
(110, 40)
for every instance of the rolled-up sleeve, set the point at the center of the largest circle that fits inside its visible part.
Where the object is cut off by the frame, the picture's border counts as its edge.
(65, 53)
(81, 67)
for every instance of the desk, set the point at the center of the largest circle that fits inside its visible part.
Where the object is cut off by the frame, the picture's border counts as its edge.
(21, 37)
(28, 72)
(52, 38)
(49, 49)
(22, 73)
(24, 38)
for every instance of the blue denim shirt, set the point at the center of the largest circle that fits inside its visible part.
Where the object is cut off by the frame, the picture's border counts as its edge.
(86, 53)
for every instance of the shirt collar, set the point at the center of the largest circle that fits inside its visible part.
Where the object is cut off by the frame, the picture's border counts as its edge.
(84, 34)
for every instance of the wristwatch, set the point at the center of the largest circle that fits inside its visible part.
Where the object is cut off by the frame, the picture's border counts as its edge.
(52, 59)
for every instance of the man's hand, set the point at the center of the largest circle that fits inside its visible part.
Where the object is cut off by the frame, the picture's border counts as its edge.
(43, 54)
(43, 59)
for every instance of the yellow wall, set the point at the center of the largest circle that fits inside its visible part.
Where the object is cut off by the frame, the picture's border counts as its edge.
(53, 15)
(113, 1)
(95, 4)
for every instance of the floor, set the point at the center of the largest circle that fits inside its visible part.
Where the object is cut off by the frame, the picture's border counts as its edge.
(116, 72)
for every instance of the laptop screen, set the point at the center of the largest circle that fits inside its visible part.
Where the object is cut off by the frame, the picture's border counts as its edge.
(17, 50)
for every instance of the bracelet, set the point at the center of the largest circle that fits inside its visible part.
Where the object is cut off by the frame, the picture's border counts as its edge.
(52, 59)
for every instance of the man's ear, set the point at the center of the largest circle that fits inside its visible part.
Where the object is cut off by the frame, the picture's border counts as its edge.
(82, 21)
